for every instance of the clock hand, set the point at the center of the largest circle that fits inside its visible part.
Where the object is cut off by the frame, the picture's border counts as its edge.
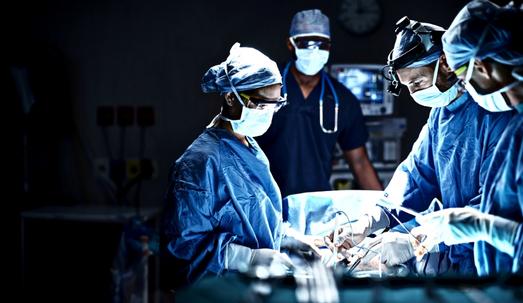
(359, 7)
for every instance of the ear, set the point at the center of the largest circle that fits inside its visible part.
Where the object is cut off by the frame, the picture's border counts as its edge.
(290, 47)
(229, 99)
(483, 68)
(443, 64)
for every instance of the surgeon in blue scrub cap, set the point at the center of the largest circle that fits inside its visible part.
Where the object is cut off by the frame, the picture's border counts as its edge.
(448, 161)
(483, 46)
(223, 206)
(483, 33)
(321, 114)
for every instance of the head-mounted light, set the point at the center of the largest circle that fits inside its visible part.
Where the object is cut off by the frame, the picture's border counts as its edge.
(427, 38)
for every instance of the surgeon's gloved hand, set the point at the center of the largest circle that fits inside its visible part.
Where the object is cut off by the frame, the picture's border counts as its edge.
(266, 256)
(463, 225)
(350, 235)
(395, 248)
(239, 257)
(306, 244)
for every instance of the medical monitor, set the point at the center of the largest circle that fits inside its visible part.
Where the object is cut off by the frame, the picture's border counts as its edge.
(369, 86)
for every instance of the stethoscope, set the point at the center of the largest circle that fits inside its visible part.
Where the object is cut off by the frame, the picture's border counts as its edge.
(322, 92)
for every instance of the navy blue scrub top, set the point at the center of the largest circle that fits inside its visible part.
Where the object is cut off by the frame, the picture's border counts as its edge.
(300, 153)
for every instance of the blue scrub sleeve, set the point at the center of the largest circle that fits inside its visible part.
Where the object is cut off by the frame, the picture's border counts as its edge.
(192, 236)
(415, 184)
(495, 132)
(518, 250)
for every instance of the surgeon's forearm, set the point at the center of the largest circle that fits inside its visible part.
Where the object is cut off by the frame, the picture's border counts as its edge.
(501, 233)
(237, 256)
(367, 177)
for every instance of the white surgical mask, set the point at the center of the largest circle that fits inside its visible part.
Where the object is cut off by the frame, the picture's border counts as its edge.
(311, 61)
(253, 122)
(494, 101)
(517, 73)
(432, 96)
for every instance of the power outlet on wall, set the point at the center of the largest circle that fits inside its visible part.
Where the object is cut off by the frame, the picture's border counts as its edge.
(102, 167)
(146, 167)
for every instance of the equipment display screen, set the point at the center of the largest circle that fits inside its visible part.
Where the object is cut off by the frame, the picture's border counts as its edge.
(367, 84)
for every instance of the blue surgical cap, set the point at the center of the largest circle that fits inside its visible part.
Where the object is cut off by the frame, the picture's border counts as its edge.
(310, 23)
(247, 68)
(484, 30)
(407, 39)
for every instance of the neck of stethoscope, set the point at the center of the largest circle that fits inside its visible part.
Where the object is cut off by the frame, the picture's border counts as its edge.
(324, 78)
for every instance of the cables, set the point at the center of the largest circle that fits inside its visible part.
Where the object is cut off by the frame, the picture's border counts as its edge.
(416, 240)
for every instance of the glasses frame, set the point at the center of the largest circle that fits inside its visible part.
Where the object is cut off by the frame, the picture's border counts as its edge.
(316, 44)
(256, 100)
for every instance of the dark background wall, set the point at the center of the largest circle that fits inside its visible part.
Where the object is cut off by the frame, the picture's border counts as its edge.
(84, 54)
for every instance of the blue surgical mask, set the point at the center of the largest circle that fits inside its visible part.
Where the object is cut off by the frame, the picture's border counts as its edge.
(519, 108)
(253, 122)
(432, 96)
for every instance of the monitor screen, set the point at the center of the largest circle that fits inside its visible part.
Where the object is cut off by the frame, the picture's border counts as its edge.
(367, 84)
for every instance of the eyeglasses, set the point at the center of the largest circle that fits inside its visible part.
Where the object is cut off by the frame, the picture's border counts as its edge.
(465, 71)
(460, 70)
(307, 43)
(262, 104)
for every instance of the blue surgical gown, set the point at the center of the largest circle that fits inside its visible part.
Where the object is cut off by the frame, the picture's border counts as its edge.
(503, 197)
(449, 161)
(220, 192)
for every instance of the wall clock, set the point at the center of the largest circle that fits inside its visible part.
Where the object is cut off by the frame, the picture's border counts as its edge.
(360, 17)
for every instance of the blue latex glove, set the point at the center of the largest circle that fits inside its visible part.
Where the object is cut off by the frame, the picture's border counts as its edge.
(464, 225)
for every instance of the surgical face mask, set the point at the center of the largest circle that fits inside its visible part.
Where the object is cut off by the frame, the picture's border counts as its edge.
(519, 108)
(494, 101)
(517, 73)
(432, 96)
(253, 122)
(310, 60)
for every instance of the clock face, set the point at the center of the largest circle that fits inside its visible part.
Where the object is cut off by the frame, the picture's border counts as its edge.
(360, 16)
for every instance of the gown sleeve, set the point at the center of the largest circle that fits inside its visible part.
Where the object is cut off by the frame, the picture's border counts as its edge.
(190, 227)
(414, 182)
